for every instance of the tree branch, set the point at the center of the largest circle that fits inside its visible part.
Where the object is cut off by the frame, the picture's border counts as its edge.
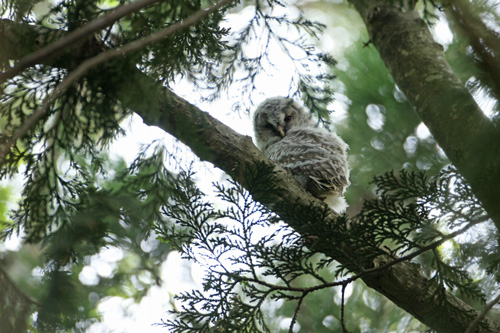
(91, 63)
(483, 313)
(418, 65)
(235, 154)
(70, 39)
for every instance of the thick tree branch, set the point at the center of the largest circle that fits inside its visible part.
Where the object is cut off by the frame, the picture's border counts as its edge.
(418, 65)
(235, 154)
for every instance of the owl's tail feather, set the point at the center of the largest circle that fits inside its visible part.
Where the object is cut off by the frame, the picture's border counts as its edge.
(337, 203)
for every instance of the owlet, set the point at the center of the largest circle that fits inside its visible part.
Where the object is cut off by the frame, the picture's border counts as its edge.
(285, 132)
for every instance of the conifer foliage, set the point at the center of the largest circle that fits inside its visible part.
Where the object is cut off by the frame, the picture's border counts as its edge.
(413, 216)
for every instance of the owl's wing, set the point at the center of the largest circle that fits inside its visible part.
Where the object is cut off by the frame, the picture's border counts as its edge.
(316, 158)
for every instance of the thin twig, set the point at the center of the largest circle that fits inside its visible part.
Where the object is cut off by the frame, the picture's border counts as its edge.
(342, 307)
(423, 249)
(482, 314)
(296, 313)
(365, 272)
(99, 59)
(345, 282)
(73, 37)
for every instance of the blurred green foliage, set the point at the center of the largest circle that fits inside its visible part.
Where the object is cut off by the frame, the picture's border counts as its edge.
(5, 198)
(381, 126)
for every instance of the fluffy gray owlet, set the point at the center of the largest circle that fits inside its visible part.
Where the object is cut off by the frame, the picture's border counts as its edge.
(317, 158)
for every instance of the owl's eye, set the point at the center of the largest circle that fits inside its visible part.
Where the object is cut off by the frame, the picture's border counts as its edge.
(268, 126)
(288, 118)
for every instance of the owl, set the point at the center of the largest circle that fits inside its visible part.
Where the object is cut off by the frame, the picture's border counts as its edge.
(285, 132)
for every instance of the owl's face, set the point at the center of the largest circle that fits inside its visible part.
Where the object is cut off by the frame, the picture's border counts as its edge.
(274, 118)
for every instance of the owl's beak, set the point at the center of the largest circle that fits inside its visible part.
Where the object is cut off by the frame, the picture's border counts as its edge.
(281, 131)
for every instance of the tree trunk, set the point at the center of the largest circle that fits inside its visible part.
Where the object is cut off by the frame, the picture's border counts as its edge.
(212, 141)
(419, 67)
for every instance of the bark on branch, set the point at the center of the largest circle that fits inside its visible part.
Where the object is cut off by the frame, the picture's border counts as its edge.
(212, 141)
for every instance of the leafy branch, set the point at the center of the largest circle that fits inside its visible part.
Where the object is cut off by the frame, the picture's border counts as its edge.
(249, 51)
(101, 58)
(239, 263)
(73, 37)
